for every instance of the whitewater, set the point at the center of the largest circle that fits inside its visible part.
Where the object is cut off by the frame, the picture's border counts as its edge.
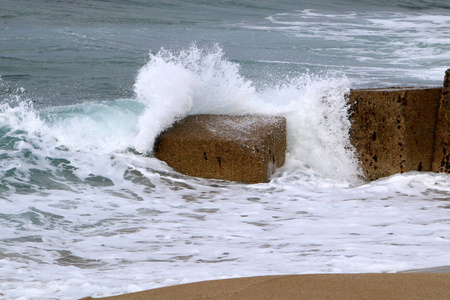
(87, 210)
(86, 205)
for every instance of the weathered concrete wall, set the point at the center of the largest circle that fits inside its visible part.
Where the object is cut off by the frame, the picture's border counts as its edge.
(393, 129)
(237, 148)
(441, 159)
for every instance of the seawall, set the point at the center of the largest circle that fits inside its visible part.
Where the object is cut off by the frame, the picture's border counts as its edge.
(394, 130)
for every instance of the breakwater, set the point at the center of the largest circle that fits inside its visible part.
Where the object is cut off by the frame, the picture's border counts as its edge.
(394, 130)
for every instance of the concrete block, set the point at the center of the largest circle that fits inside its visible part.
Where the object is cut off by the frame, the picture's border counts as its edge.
(441, 159)
(393, 129)
(237, 148)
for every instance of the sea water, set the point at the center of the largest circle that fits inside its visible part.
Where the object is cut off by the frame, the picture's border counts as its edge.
(86, 86)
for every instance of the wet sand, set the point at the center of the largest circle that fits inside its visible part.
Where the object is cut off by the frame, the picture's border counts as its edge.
(431, 283)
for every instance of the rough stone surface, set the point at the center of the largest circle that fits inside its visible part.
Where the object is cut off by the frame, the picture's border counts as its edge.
(441, 159)
(237, 148)
(393, 129)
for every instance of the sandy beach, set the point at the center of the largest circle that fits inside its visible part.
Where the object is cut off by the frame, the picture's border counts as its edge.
(415, 284)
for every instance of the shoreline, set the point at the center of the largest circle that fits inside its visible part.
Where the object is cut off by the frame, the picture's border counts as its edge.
(431, 283)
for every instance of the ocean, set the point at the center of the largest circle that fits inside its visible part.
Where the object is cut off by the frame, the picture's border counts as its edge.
(86, 86)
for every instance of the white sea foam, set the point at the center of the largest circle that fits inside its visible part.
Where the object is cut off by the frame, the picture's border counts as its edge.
(20, 117)
(157, 229)
(82, 216)
(411, 41)
(108, 126)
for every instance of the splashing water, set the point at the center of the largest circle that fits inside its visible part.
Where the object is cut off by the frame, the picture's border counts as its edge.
(71, 189)
(194, 81)
(203, 81)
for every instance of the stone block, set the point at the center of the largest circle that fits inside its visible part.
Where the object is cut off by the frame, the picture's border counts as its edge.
(237, 148)
(441, 159)
(393, 129)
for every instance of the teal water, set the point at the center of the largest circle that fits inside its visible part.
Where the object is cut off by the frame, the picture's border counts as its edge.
(67, 52)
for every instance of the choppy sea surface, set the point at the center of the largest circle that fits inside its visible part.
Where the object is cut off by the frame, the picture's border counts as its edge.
(86, 86)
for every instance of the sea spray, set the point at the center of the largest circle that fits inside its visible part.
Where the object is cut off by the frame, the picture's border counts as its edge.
(166, 87)
(20, 116)
(107, 126)
(191, 82)
(173, 85)
(198, 81)
(318, 128)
